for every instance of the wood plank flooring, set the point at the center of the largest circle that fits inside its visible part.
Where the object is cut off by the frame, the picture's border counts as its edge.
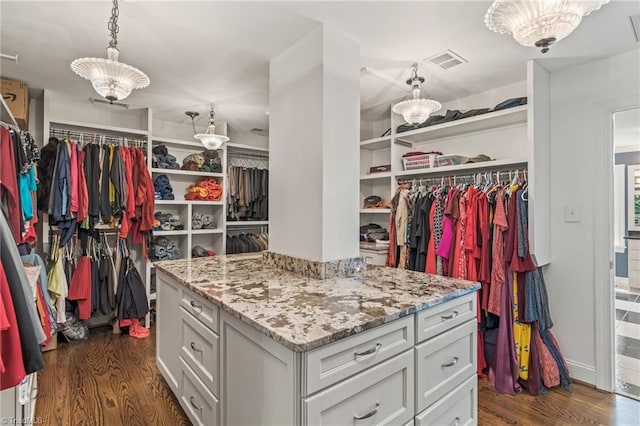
(112, 380)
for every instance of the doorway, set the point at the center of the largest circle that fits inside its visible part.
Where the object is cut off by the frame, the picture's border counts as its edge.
(626, 156)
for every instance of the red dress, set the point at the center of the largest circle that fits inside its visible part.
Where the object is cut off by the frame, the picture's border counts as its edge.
(11, 364)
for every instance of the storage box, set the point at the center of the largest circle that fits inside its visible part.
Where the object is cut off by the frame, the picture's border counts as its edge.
(419, 161)
(16, 96)
(450, 160)
(380, 169)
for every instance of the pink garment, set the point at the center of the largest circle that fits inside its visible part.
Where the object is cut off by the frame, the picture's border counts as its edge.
(500, 225)
(444, 248)
(74, 177)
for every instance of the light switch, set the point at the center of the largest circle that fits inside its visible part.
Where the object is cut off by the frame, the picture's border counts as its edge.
(572, 213)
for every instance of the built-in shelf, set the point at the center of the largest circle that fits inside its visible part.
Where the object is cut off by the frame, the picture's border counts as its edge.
(488, 121)
(375, 176)
(169, 233)
(93, 127)
(179, 142)
(207, 231)
(185, 173)
(378, 211)
(248, 223)
(376, 143)
(5, 113)
(243, 147)
(485, 165)
(194, 202)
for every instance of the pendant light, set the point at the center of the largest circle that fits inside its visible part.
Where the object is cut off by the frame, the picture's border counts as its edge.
(416, 111)
(538, 23)
(209, 138)
(110, 78)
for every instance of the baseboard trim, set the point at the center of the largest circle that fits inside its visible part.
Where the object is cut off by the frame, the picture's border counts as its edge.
(582, 372)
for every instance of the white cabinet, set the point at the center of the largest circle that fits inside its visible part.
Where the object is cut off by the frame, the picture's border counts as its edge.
(168, 329)
(418, 368)
(633, 247)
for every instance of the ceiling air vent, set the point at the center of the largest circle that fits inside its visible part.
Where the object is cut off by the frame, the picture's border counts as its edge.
(635, 23)
(447, 59)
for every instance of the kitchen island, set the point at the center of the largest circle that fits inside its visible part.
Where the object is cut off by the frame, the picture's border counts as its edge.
(241, 342)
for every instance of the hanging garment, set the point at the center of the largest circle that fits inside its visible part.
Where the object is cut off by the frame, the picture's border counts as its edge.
(500, 226)
(131, 298)
(9, 193)
(43, 283)
(58, 287)
(521, 334)
(12, 369)
(80, 287)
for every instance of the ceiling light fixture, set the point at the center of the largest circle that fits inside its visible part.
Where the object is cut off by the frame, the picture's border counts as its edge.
(416, 111)
(110, 78)
(538, 23)
(209, 138)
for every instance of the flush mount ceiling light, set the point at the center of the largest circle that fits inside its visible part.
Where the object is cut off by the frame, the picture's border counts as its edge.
(110, 78)
(416, 111)
(538, 23)
(209, 138)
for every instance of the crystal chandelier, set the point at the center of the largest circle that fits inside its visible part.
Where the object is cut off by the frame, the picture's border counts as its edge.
(209, 138)
(538, 23)
(416, 111)
(110, 78)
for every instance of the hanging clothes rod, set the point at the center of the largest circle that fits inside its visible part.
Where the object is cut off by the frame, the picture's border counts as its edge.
(250, 156)
(262, 228)
(9, 126)
(97, 137)
(500, 175)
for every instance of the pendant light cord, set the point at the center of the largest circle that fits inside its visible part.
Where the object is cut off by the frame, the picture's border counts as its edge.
(113, 26)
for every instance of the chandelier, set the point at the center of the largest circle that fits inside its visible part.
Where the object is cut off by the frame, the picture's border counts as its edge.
(209, 138)
(416, 111)
(538, 23)
(110, 78)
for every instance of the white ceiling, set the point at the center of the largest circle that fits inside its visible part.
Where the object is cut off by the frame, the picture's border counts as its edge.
(198, 52)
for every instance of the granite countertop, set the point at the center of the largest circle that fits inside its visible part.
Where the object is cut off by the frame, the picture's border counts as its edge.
(304, 313)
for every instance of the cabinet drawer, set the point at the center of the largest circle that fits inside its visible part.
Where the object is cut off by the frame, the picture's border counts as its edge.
(373, 257)
(380, 395)
(440, 318)
(330, 364)
(199, 404)
(634, 254)
(199, 349)
(444, 362)
(201, 308)
(459, 408)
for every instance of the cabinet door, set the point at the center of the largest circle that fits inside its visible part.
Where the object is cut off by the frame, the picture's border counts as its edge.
(168, 330)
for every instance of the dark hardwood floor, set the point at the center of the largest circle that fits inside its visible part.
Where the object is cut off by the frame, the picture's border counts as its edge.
(113, 380)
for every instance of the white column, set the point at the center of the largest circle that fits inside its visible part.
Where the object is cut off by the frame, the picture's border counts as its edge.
(313, 148)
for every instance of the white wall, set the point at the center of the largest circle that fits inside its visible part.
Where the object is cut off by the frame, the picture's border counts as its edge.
(582, 100)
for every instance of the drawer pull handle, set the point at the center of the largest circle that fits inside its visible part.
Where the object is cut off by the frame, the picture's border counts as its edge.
(194, 305)
(452, 363)
(195, 348)
(368, 351)
(369, 414)
(450, 316)
(456, 421)
(193, 404)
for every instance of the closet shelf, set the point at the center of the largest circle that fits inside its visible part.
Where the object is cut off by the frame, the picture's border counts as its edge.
(169, 233)
(447, 170)
(246, 148)
(248, 223)
(185, 173)
(207, 231)
(379, 211)
(177, 142)
(375, 176)
(376, 143)
(185, 202)
(479, 123)
(92, 127)
(5, 113)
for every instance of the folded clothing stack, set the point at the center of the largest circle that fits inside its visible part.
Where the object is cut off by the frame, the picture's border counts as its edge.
(163, 188)
(206, 161)
(205, 190)
(202, 221)
(165, 249)
(167, 222)
(199, 251)
(162, 159)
